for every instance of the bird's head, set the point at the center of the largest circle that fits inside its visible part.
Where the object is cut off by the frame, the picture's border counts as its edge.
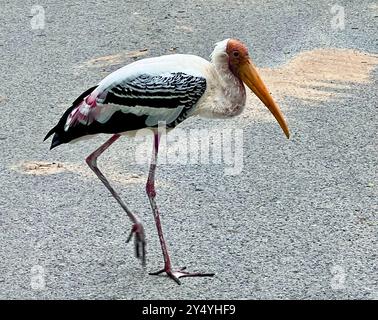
(241, 65)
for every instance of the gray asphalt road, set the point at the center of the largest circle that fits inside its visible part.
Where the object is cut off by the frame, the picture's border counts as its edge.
(300, 221)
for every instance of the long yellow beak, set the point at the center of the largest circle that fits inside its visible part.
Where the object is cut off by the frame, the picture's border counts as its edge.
(251, 78)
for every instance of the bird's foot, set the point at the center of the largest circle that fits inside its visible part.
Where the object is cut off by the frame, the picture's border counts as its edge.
(175, 275)
(139, 241)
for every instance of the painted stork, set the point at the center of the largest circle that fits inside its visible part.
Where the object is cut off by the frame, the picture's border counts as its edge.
(166, 89)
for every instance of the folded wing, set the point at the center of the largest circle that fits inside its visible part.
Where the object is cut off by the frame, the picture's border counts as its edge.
(133, 103)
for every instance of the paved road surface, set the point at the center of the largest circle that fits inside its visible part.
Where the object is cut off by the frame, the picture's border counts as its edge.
(300, 221)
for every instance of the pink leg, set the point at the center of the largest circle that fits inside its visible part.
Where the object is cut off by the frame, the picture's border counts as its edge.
(137, 228)
(151, 193)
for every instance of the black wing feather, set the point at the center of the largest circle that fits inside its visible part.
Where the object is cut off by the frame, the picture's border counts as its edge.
(177, 89)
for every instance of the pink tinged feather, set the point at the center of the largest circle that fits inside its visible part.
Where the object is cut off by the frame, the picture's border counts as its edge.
(85, 113)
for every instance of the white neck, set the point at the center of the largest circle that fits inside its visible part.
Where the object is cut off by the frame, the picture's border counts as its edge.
(233, 90)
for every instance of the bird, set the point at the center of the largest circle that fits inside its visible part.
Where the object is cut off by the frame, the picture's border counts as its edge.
(162, 91)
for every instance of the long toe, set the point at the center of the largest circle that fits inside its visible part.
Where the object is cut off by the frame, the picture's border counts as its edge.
(181, 273)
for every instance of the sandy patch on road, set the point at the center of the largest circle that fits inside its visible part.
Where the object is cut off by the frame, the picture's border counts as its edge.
(321, 74)
(40, 168)
(49, 168)
(113, 60)
(315, 76)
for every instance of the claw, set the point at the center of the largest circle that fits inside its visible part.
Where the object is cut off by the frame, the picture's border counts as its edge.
(139, 241)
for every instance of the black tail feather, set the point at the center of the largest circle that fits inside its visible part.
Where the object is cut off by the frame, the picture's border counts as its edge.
(49, 133)
(55, 141)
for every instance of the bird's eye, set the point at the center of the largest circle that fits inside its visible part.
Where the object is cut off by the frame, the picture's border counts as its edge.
(235, 54)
